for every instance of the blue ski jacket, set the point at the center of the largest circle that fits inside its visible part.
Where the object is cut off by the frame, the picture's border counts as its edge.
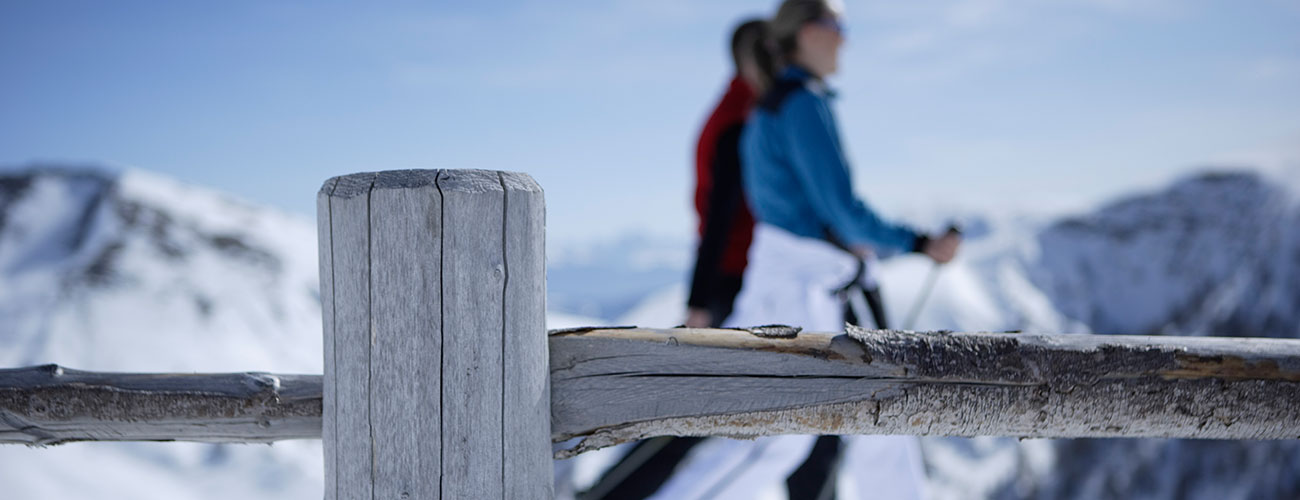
(796, 176)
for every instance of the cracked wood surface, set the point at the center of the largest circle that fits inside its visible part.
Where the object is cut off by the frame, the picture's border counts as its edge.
(616, 385)
(434, 326)
(49, 404)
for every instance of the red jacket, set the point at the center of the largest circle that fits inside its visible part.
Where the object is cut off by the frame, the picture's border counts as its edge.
(731, 112)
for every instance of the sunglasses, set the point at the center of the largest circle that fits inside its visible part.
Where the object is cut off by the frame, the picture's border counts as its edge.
(833, 24)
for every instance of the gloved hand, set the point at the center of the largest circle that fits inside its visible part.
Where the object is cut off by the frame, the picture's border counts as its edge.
(943, 248)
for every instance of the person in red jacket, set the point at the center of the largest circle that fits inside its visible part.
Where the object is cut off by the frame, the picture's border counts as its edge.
(725, 230)
(726, 225)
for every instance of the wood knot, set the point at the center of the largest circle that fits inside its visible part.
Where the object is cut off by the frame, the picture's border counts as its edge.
(774, 331)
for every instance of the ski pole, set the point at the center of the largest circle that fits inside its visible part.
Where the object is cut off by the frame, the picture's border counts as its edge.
(927, 288)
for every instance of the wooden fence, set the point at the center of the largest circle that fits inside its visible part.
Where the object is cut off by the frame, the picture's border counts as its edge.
(441, 381)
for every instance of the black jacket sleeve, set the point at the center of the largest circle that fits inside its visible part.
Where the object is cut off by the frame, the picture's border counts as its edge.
(724, 202)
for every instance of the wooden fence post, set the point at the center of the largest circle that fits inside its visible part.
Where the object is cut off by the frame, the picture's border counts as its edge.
(436, 370)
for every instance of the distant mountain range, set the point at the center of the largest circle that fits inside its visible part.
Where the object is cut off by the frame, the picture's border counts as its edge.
(134, 272)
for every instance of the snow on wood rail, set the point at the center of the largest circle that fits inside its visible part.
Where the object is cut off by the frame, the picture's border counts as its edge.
(610, 386)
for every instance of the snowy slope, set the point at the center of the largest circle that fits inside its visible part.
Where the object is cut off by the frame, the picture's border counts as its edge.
(1216, 253)
(134, 272)
(986, 289)
(1213, 254)
(138, 273)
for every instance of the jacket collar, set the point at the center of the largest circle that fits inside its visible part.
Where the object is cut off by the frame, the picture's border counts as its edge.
(812, 83)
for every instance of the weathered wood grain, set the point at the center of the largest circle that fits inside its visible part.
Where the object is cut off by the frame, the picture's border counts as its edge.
(352, 336)
(473, 290)
(612, 386)
(435, 335)
(526, 377)
(50, 404)
(324, 243)
(406, 336)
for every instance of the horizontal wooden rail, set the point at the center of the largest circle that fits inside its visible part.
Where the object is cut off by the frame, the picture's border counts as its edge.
(615, 385)
(46, 405)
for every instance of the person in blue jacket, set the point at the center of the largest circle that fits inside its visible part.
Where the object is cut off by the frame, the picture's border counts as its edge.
(814, 237)
(795, 172)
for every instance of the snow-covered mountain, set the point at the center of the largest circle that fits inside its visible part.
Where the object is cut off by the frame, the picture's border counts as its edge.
(1213, 254)
(133, 272)
(138, 273)
(1217, 254)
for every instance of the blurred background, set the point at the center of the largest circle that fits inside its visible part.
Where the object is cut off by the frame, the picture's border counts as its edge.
(1120, 167)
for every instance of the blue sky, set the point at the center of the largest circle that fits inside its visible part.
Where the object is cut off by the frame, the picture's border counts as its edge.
(1023, 104)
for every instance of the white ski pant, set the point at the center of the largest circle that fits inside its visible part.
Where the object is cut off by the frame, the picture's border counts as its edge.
(791, 280)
